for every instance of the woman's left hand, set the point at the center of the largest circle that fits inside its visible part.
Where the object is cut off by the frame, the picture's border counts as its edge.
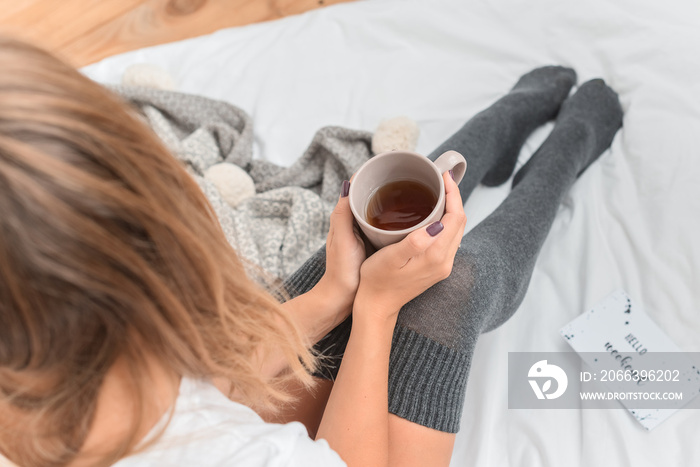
(330, 301)
(345, 252)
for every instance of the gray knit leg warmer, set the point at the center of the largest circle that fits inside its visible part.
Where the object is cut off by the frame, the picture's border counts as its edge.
(437, 332)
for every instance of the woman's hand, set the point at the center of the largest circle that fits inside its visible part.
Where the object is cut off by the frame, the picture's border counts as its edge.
(345, 252)
(330, 301)
(400, 272)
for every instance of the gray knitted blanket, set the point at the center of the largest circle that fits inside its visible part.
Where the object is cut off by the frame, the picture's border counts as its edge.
(288, 218)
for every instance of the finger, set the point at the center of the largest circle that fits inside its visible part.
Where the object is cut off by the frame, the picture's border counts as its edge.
(342, 220)
(358, 235)
(449, 240)
(453, 199)
(415, 243)
(439, 257)
(454, 227)
(454, 218)
(369, 248)
(356, 231)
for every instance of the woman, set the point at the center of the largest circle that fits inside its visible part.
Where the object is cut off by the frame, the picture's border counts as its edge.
(126, 317)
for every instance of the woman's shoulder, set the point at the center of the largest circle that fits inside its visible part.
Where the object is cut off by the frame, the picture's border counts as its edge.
(208, 429)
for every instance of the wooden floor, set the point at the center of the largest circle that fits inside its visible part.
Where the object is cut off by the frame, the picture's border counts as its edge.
(85, 31)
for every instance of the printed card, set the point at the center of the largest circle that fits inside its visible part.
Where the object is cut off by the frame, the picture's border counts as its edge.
(632, 357)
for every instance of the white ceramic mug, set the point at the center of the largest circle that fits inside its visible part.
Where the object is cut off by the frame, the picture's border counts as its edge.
(396, 166)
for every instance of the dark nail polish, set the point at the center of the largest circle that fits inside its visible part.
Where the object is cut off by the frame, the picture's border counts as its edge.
(345, 189)
(435, 228)
(452, 174)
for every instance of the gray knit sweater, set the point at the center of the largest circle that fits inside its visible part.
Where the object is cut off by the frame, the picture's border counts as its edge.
(288, 218)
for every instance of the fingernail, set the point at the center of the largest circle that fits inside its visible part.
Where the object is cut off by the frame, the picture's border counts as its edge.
(435, 228)
(345, 189)
(452, 174)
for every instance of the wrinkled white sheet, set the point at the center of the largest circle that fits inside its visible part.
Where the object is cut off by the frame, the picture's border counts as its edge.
(630, 222)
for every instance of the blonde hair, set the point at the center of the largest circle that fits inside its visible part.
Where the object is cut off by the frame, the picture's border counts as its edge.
(108, 249)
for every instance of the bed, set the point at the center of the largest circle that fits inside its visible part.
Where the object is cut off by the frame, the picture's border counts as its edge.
(629, 222)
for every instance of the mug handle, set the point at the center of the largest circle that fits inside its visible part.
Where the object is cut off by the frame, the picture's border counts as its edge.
(452, 160)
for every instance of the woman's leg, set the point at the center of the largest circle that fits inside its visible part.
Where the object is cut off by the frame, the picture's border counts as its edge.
(492, 139)
(436, 333)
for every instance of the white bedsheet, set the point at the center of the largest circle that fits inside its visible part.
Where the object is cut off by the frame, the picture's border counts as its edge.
(630, 222)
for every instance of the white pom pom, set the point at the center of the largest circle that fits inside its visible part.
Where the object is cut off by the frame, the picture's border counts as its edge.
(148, 75)
(234, 184)
(399, 133)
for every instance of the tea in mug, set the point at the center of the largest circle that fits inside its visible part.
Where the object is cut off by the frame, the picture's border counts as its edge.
(400, 205)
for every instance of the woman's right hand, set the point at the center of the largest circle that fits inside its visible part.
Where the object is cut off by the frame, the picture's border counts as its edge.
(397, 273)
